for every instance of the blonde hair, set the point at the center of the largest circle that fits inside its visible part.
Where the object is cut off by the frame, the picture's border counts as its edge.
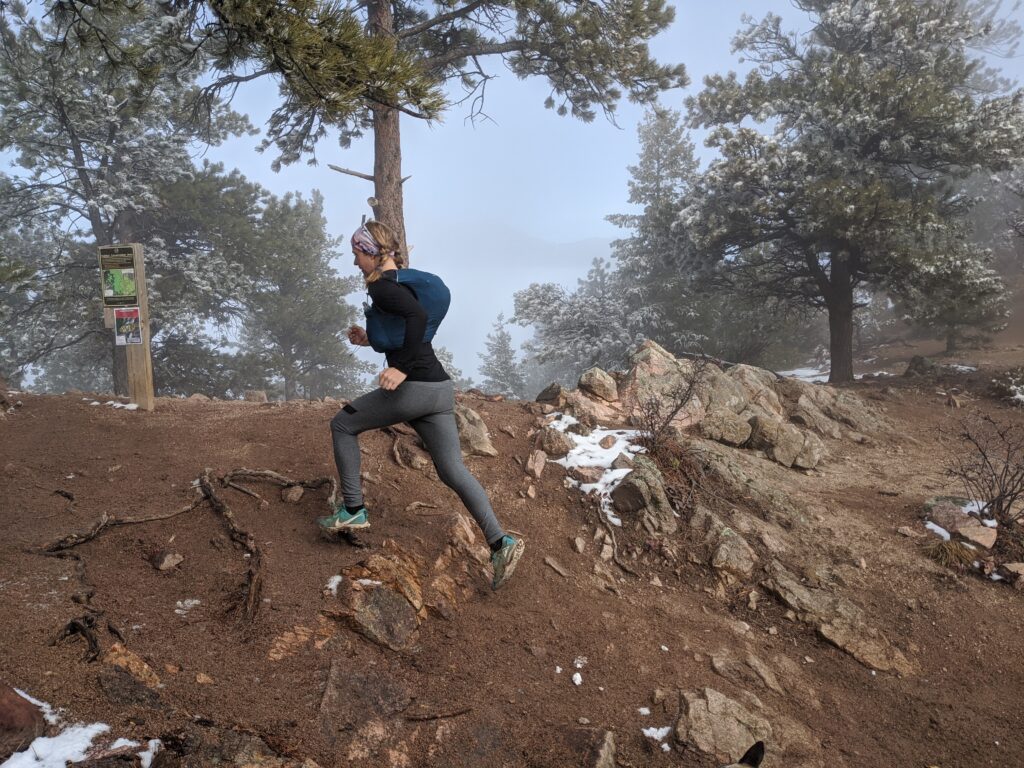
(389, 247)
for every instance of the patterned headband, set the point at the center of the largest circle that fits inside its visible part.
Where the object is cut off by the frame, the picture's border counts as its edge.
(363, 241)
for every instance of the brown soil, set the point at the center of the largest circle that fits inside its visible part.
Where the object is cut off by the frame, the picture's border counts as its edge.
(495, 659)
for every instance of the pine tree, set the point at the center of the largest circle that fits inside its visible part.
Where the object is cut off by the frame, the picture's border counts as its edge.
(359, 67)
(866, 119)
(296, 319)
(499, 367)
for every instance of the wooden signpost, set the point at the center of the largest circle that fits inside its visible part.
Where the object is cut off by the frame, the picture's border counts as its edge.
(126, 311)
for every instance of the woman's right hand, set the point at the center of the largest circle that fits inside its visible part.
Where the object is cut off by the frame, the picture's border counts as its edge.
(357, 335)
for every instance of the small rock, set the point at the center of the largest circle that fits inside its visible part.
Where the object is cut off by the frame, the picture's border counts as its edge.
(579, 544)
(536, 463)
(808, 660)
(623, 461)
(773, 631)
(607, 441)
(607, 552)
(292, 494)
(131, 662)
(906, 530)
(556, 567)
(204, 679)
(531, 492)
(587, 475)
(752, 599)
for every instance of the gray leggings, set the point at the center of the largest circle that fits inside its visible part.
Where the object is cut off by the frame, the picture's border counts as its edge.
(428, 407)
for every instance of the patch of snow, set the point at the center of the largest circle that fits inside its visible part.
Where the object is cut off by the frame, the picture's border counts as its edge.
(938, 530)
(580, 663)
(333, 583)
(369, 582)
(147, 755)
(49, 715)
(989, 523)
(664, 648)
(658, 734)
(69, 746)
(587, 452)
(122, 742)
(666, 747)
(806, 374)
(558, 670)
(577, 678)
(644, 711)
(962, 368)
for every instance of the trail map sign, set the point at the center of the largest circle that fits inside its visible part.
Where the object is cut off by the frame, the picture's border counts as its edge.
(117, 268)
(126, 311)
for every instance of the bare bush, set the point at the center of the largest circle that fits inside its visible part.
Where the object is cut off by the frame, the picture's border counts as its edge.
(656, 412)
(988, 461)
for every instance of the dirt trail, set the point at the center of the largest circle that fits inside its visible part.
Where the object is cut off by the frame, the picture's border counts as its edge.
(480, 688)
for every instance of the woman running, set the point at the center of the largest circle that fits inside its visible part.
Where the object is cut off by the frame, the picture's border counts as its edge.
(414, 388)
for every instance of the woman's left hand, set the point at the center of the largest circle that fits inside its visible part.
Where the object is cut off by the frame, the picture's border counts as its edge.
(390, 378)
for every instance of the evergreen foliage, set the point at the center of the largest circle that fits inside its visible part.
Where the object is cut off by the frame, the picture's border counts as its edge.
(866, 119)
(499, 367)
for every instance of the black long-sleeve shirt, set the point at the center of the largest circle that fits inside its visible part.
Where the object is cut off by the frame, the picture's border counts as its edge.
(416, 358)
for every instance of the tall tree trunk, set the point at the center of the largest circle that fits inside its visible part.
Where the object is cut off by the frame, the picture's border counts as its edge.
(387, 142)
(840, 322)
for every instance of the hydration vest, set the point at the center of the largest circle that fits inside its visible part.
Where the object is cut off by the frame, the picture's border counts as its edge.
(386, 332)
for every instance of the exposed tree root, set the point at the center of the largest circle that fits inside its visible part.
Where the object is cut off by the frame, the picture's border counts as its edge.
(254, 575)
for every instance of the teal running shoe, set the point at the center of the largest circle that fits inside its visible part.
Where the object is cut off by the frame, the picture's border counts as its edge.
(504, 559)
(341, 520)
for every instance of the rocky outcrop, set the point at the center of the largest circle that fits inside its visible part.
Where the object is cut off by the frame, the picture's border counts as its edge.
(726, 550)
(837, 620)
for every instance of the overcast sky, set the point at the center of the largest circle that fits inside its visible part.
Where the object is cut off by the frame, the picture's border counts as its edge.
(516, 199)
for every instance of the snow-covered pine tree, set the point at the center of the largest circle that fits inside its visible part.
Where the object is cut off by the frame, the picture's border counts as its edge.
(97, 136)
(499, 367)
(863, 122)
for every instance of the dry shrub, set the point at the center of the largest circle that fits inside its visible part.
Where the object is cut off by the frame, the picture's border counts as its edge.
(988, 461)
(951, 554)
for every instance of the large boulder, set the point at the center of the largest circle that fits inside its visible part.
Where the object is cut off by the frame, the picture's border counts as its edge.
(21, 722)
(641, 494)
(589, 411)
(658, 377)
(473, 434)
(552, 394)
(719, 726)
(598, 383)
(785, 443)
(724, 426)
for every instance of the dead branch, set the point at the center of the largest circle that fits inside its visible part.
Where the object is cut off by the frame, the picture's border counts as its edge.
(74, 539)
(438, 716)
(254, 575)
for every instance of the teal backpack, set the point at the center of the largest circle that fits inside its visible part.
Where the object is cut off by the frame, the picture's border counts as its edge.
(386, 332)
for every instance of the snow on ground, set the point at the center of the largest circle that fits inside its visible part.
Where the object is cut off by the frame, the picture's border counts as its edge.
(73, 743)
(333, 583)
(589, 453)
(806, 374)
